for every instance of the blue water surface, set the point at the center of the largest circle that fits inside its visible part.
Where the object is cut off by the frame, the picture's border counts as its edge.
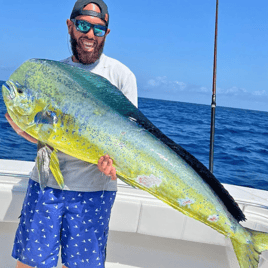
(241, 144)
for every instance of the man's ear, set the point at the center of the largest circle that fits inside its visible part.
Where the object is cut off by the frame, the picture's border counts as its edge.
(69, 25)
(108, 31)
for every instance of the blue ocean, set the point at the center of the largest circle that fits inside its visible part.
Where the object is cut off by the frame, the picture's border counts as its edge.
(240, 149)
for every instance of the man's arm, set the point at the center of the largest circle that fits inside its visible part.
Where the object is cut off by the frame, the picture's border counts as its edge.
(19, 131)
(105, 163)
(130, 90)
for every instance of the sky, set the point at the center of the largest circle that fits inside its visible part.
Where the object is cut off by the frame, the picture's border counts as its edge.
(167, 44)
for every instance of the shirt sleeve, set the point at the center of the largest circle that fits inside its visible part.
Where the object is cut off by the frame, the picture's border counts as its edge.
(129, 89)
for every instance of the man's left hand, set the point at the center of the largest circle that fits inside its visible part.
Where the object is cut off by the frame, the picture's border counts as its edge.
(105, 165)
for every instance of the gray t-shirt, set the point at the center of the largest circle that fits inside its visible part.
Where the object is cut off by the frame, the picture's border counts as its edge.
(83, 176)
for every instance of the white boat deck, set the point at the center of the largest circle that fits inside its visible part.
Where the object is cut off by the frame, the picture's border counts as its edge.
(144, 232)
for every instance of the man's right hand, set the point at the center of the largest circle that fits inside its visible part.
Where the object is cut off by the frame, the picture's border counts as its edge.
(105, 165)
(19, 131)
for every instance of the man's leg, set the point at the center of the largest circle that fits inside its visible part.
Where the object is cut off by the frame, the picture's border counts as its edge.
(37, 239)
(22, 265)
(85, 228)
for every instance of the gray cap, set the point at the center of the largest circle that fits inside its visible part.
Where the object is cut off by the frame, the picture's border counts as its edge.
(80, 4)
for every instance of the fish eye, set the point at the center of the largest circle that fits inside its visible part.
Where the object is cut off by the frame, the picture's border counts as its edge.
(19, 90)
(19, 87)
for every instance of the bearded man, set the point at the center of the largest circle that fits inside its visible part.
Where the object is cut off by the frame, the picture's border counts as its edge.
(75, 219)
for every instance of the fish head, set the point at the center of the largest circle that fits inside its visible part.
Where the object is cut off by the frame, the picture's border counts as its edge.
(20, 96)
(26, 100)
(19, 99)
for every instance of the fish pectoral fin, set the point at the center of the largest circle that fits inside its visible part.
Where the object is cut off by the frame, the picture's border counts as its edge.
(46, 117)
(55, 169)
(46, 120)
(43, 163)
(249, 253)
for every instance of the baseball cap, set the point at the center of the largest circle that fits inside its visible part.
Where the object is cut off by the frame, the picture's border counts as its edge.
(80, 4)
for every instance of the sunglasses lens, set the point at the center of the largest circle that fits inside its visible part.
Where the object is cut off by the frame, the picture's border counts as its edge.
(82, 26)
(99, 32)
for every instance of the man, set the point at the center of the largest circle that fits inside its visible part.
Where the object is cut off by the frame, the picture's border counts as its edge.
(76, 218)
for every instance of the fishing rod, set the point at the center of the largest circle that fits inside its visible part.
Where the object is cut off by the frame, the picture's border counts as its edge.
(213, 103)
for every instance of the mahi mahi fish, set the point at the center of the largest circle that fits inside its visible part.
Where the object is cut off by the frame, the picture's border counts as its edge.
(85, 116)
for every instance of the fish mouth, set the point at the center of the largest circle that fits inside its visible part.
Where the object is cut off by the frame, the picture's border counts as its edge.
(9, 89)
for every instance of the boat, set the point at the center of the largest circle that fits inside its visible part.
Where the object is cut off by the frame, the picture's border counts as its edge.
(144, 232)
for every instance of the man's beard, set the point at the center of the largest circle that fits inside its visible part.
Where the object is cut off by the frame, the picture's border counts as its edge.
(83, 56)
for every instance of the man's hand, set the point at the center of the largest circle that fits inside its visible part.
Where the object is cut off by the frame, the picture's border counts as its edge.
(105, 165)
(18, 130)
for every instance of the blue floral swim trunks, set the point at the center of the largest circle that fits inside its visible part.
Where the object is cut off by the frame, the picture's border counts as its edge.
(75, 222)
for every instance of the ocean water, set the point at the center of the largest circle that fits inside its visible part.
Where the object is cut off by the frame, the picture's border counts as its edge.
(241, 138)
(241, 143)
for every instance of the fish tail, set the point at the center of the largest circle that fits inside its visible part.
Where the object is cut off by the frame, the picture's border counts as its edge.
(55, 169)
(248, 254)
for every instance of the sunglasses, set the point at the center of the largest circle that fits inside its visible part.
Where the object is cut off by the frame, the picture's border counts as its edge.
(84, 27)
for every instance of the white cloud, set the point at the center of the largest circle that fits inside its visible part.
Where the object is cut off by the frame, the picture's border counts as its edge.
(161, 87)
(260, 93)
(158, 81)
(204, 89)
(161, 82)
(180, 84)
(234, 91)
(152, 83)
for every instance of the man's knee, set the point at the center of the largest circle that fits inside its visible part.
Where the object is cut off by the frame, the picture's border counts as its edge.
(22, 265)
